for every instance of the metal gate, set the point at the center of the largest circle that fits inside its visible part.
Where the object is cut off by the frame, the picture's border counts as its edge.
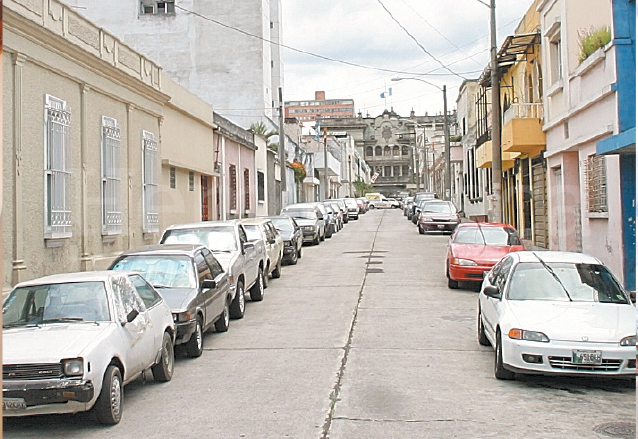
(539, 181)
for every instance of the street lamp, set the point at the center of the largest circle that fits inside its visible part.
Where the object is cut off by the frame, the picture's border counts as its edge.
(447, 182)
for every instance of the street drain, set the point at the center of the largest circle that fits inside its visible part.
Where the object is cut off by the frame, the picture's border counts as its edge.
(374, 262)
(625, 430)
(374, 270)
(371, 256)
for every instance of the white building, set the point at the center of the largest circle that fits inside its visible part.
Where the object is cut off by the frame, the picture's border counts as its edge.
(232, 65)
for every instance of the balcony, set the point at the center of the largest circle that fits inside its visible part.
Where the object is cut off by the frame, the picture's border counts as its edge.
(522, 129)
(484, 157)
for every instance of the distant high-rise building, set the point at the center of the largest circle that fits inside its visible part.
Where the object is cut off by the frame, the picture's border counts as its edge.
(320, 107)
(236, 67)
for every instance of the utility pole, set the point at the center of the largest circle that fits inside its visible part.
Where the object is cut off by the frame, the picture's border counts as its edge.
(448, 166)
(282, 151)
(325, 163)
(350, 175)
(497, 167)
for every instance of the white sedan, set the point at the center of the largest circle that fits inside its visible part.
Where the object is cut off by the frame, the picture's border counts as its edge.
(551, 313)
(72, 341)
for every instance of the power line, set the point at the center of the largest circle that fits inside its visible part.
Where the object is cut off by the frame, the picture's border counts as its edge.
(417, 41)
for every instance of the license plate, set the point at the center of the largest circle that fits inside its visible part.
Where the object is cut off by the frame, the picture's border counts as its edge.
(13, 404)
(441, 226)
(587, 357)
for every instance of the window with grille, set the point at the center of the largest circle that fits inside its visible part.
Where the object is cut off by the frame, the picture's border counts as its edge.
(57, 168)
(191, 181)
(111, 180)
(261, 192)
(171, 177)
(232, 175)
(246, 189)
(596, 183)
(150, 185)
(149, 7)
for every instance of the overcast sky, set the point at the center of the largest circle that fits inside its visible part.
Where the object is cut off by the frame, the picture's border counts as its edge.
(456, 32)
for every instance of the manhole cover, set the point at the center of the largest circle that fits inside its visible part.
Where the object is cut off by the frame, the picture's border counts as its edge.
(625, 430)
(374, 270)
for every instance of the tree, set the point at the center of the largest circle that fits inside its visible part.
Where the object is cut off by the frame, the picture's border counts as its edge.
(362, 188)
(261, 130)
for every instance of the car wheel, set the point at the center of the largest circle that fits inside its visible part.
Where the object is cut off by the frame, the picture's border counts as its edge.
(223, 322)
(108, 407)
(316, 241)
(322, 237)
(163, 370)
(294, 258)
(421, 231)
(451, 284)
(482, 339)
(257, 290)
(238, 305)
(195, 345)
(499, 371)
(414, 219)
(276, 273)
(299, 253)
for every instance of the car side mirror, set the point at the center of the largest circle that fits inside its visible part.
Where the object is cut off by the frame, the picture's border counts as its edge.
(249, 245)
(132, 316)
(492, 291)
(209, 284)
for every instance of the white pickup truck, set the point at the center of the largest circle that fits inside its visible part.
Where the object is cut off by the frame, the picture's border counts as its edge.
(244, 261)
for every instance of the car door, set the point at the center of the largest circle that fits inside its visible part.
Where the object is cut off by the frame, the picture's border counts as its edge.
(251, 265)
(152, 300)
(277, 239)
(221, 282)
(206, 299)
(297, 234)
(137, 335)
(492, 306)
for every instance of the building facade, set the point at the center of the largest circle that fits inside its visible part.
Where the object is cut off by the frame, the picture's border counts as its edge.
(319, 108)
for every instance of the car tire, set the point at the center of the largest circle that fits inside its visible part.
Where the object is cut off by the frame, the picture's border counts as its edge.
(257, 290)
(482, 338)
(299, 252)
(276, 273)
(451, 283)
(499, 370)
(223, 322)
(195, 345)
(238, 305)
(322, 236)
(163, 370)
(316, 241)
(421, 230)
(294, 258)
(108, 407)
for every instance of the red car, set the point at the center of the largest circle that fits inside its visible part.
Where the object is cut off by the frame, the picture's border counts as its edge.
(475, 247)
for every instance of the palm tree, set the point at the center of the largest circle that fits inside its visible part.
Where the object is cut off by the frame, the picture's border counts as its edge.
(261, 130)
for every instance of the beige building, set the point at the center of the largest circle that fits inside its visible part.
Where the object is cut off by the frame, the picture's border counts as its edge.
(91, 131)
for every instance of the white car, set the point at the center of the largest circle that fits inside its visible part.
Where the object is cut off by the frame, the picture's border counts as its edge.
(552, 313)
(261, 229)
(72, 341)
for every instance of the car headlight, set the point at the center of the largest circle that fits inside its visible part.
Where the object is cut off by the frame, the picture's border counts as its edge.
(73, 367)
(287, 243)
(183, 316)
(426, 218)
(460, 261)
(628, 341)
(520, 334)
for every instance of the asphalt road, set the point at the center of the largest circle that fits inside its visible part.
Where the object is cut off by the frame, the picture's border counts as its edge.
(361, 339)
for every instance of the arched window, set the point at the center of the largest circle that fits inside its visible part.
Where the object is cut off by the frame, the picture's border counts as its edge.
(377, 150)
(369, 151)
(395, 150)
(387, 151)
(404, 150)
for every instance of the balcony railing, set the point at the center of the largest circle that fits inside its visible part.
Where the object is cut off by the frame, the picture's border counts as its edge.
(523, 111)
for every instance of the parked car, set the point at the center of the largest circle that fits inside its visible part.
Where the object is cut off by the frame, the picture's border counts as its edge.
(309, 218)
(474, 248)
(343, 208)
(326, 219)
(363, 206)
(338, 213)
(263, 229)
(556, 313)
(353, 208)
(333, 217)
(394, 203)
(440, 216)
(242, 260)
(71, 342)
(407, 205)
(191, 281)
(420, 196)
(292, 236)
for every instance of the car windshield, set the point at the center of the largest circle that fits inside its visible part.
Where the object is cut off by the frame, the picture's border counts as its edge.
(583, 282)
(437, 208)
(350, 202)
(252, 232)
(161, 271)
(55, 303)
(282, 224)
(217, 239)
(487, 235)
(301, 213)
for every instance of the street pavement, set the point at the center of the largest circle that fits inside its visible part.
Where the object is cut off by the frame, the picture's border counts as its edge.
(360, 340)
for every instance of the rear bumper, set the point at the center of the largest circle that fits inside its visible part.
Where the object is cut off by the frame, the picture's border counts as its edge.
(443, 226)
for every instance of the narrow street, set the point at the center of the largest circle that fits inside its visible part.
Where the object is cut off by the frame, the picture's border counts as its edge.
(361, 339)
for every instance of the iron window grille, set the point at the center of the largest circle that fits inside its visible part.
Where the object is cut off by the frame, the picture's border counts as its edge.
(596, 183)
(111, 180)
(191, 181)
(150, 184)
(247, 189)
(232, 175)
(57, 168)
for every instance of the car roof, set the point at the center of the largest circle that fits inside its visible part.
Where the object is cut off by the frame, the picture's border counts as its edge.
(554, 256)
(481, 224)
(165, 249)
(204, 224)
(79, 276)
(255, 221)
(300, 206)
